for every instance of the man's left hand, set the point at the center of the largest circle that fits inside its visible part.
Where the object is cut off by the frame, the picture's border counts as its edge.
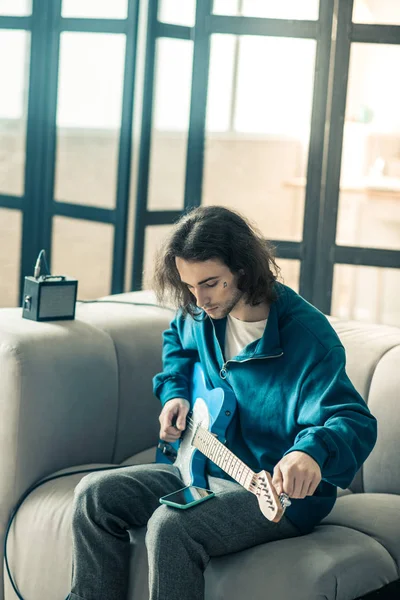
(296, 474)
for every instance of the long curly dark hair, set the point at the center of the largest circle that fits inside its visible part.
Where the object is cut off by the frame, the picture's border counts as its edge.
(215, 232)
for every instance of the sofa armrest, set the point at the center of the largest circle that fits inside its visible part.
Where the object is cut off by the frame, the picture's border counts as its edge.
(58, 399)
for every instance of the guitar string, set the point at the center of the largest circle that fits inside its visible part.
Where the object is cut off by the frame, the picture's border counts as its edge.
(245, 468)
(191, 427)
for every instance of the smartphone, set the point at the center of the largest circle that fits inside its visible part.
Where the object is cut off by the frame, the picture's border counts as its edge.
(187, 497)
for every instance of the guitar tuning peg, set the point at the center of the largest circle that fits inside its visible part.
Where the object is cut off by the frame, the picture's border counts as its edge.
(284, 498)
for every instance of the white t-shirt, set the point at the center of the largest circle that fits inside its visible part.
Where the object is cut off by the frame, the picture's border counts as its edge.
(241, 333)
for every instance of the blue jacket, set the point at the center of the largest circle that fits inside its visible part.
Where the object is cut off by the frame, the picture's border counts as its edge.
(292, 391)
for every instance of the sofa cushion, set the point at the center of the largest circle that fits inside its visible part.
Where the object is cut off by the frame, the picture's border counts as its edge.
(376, 515)
(381, 471)
(353, 551)
(331, 563)
(39, 548)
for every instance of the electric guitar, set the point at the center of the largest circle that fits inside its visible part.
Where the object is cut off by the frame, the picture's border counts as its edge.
(208, 421)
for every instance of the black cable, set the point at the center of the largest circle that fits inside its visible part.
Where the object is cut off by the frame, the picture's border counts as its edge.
(38, 265)
(24, 496)
(41, 482)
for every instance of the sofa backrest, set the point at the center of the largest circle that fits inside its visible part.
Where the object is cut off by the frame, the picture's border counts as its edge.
(136, 334)
(373, 365)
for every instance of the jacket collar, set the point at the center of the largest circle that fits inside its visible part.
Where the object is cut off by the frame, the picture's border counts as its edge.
(269, 345)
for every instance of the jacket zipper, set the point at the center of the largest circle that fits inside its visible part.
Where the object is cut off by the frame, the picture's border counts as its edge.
(223, 371)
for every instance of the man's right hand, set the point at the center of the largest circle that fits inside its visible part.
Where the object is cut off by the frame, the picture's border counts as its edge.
(173, 410)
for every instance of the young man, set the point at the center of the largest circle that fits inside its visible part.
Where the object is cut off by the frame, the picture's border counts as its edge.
(297, 416)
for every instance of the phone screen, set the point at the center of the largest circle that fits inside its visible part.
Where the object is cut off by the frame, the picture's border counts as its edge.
(188, 495)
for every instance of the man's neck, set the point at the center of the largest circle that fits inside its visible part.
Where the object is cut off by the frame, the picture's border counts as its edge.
(246, 312)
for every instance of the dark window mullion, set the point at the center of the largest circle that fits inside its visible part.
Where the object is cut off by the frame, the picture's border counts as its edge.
(375, 34)
(85, 213)
(125, 151)
(162, 217)
(144, 153)
(15, 22)
(261, 26)
(198, 107)
(176, 32)
(288, 250)
(316, 150)
(325, 247)
(35, 165)
(369, 257)
(49, 206)
(13, 202)
(82, 25)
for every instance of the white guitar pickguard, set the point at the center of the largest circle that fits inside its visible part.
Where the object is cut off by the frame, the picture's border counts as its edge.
(200, 416)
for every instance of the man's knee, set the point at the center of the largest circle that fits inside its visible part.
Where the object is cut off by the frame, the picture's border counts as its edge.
(164, 524)
(96, 492)
(89, 492)
(170, 535)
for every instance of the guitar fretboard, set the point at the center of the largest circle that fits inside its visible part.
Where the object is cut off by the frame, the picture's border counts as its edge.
(208, 445)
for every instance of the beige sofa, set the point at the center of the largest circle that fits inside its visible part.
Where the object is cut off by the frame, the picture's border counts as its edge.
(78, 395)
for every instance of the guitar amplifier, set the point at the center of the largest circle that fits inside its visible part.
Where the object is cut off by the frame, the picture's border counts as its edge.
(49, 298)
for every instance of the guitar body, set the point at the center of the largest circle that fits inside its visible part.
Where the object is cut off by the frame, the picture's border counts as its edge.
(213, 410)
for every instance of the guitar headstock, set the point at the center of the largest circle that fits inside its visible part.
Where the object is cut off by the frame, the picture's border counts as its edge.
(271, 504)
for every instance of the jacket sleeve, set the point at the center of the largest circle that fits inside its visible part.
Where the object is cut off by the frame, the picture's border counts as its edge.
(339, 432)
(178, 360)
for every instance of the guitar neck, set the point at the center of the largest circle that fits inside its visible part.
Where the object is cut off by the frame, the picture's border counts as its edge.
(219, 454)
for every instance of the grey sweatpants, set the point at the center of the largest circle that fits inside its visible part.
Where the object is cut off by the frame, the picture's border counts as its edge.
(179, 542)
